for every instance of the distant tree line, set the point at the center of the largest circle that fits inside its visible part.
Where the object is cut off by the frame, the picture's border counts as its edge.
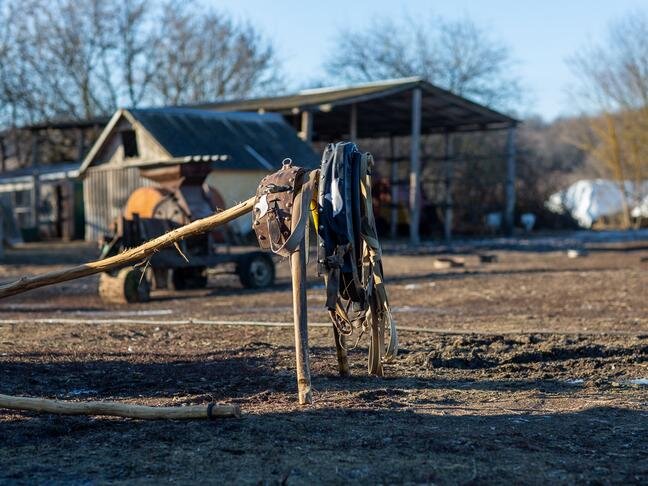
(79, 59)
(454, 54)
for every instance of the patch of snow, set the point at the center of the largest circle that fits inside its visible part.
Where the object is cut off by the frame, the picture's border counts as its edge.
(575, 253)
(416, 286)
(149, 312)
(575, 382)
(80, 391)
(641, 210)
(638, 381)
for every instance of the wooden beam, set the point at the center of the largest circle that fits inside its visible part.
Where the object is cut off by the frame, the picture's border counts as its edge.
(353, 123)
(306, 133)
(415, 168)
(448, 177)
(393, 186)
(80, 145)
(134, 255)
(191, 412)
(35, 180)
(509, 209)
(3, 155)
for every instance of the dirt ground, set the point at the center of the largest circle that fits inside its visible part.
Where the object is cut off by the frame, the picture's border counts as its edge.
(531, 369)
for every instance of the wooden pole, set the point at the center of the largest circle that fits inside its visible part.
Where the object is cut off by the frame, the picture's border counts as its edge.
(449, 173)
(35, 201)
(415, 167)
(1, 235)
(131, 256)
(393, 185)
(300, 317)
(353, 123)
(510, 182)
(340, 349)
(210, 411)
(306, 133)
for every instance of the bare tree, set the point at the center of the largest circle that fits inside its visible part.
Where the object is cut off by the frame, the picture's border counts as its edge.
(457, 55)
(65, 56)
(613, 86)
(135, 49)
(84, 58)
(210, 57)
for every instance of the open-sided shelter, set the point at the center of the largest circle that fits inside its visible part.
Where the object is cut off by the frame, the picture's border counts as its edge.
(402, 107)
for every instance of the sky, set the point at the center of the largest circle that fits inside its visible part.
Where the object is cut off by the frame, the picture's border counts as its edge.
(542, 34)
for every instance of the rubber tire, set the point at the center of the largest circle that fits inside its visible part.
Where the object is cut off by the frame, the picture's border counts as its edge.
(256, 270)
(188, 278)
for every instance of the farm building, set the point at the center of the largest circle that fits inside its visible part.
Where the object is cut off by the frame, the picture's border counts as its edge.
(405, 110)
(39, 189)
(240, 149)
(45, 201)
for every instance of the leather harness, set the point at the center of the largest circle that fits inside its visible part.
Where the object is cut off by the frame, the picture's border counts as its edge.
(338, 196)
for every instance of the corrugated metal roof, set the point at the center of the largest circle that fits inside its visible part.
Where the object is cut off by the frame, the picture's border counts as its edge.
(386, 108)
(233, 141)
(249, 140)
(315, 97)
(64, 170)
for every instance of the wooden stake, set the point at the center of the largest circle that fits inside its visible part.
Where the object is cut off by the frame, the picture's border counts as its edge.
(192, 412)
(131, 256)
(300, 316)
(342, 358)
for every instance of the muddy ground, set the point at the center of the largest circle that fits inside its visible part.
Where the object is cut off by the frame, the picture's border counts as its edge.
(531, 369)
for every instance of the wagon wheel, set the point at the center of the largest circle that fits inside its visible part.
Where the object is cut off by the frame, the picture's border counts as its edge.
(256, 270)
(128, 286)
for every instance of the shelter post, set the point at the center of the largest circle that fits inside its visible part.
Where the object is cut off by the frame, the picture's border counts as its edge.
(3, 155)
(80, 146)
(510, 181)
(448, 168)
(353, 123)
(393, 186)
(415, 167)
(306, 133)
(35, 180)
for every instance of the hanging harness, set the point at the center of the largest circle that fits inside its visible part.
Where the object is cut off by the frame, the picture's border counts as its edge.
(348, 251)
(349, 254)
(281, 208)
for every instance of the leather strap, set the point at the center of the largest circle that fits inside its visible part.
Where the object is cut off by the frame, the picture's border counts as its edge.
(349, 254)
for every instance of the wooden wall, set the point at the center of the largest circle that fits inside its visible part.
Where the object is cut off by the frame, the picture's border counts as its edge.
(105, 192)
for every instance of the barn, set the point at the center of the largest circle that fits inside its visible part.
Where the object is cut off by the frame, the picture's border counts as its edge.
(240, 148)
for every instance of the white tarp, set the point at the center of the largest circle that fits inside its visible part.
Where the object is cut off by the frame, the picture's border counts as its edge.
(641, 210)
(588, 200)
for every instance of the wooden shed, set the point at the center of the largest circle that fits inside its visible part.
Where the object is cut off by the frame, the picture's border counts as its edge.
(241, 148)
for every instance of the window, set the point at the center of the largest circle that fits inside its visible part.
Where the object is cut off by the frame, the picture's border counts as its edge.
(22, 198)
(129, 142)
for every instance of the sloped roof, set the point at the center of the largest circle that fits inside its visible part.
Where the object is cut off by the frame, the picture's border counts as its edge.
(384, 107)
(232, 140)
(64, 170)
